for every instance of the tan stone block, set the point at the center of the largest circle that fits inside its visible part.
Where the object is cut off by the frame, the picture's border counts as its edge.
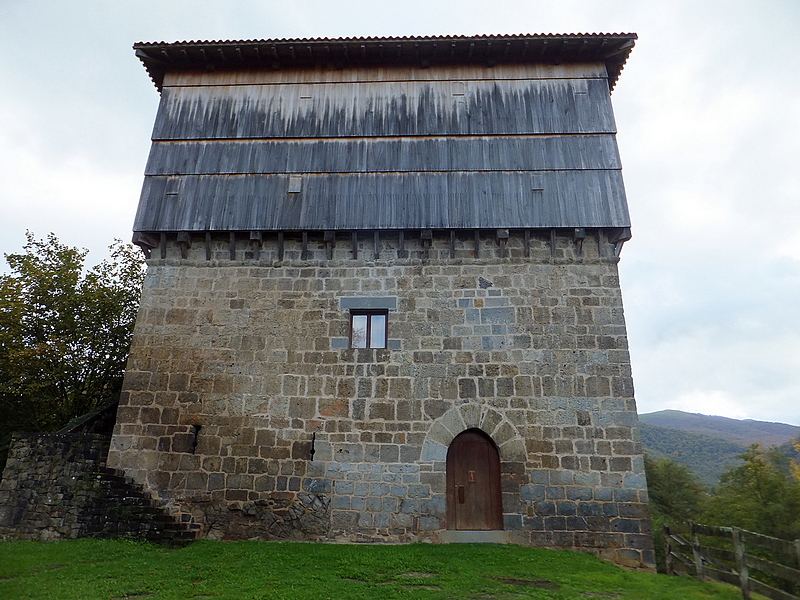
(334, 407)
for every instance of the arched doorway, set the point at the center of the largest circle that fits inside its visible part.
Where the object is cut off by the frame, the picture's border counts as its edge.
(474, 501)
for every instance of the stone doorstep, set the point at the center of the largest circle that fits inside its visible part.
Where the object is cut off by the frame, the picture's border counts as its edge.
(452, 536)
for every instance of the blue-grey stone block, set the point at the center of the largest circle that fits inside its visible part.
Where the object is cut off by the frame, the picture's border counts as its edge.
(368, 303)
(342, 502)
(512, 522)
(566, 508)
(497, 315)
(317, 485)
(590, 509)
(624, 495)
(345, 487)
(562, 477)
(604, 494)
(635, 481)
(495, 302)
(429, 524)
(393, 344)
(398, 490)
(379, 489)
(464, 302)
(579, 493)
(410, 506)
(419, 491)
(493, 342)
(540, 477)
(531, 492)
(339, 342)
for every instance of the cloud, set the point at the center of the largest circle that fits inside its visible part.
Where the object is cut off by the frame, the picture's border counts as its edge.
(708, 112)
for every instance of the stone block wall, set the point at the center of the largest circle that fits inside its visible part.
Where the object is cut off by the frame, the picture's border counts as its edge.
(244, 411)
(57, 486)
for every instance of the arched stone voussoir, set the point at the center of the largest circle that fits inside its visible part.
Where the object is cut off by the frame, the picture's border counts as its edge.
(513, 451)
(473, 416)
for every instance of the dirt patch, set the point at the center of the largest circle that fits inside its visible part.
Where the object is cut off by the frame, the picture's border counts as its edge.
(417, 574)
(601, 595)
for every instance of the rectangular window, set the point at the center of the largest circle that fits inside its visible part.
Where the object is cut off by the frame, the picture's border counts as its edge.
(368, 329)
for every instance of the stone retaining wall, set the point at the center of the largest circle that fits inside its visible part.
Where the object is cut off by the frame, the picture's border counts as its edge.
(56, 486)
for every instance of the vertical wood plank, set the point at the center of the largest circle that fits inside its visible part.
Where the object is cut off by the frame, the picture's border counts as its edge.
(163, 244)
(527, 244)
(401, 243)
(698, 558)
(232, 245)
(330, 242)
(281, 246)
(452, 243)
(741, 563)
(208, 245)
(797, 552)
(670, 568)
(376, 242)
(553, 243)
(304, 249)
(477, 243)
(354, 243)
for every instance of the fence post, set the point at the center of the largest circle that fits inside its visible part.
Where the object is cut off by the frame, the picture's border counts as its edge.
(698, 558)
(797, 552)
(668, 551)
(741, 563)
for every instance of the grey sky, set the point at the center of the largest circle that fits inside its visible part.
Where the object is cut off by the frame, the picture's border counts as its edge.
(708, 111)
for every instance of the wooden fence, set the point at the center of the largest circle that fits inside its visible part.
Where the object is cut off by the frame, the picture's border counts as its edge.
(753, 562)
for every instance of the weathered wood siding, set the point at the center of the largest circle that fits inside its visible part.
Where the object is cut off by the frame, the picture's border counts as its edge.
(460, 147)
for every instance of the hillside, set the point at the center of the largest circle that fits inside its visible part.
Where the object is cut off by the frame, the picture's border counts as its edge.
(736, 431)
(708, 445)
(705, 456)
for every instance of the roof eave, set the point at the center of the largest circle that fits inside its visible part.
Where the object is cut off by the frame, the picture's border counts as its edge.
(611, 49)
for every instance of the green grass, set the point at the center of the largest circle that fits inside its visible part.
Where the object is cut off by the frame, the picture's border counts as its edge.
(106, 569)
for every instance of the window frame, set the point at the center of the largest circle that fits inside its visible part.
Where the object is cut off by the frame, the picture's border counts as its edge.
(369, 313)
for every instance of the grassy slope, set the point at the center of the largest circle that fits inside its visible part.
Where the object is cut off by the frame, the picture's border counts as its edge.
(105, 569)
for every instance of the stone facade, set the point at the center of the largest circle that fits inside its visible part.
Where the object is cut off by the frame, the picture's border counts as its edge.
(245, 412)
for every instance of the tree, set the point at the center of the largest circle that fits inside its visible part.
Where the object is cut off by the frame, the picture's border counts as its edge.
(64, 332)
(675, 497)
(674, 492)
(759, 495)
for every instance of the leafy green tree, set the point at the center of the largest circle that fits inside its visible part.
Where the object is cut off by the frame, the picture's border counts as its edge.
(65, 332)
(674, 492)
(675, 496)
(760, 495)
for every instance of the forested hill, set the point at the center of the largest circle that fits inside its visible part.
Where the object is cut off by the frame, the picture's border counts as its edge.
(735, 431)
(705, 456)
(708, 445)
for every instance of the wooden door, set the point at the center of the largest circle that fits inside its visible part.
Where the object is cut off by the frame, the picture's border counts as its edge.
(474, 500)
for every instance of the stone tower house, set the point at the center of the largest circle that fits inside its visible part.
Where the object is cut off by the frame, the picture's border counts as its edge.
(382, 300)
